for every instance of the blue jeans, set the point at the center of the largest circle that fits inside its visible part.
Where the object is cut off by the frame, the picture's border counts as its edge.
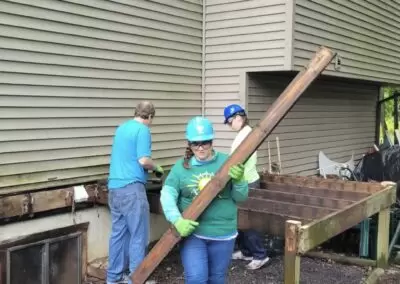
(206, 261)
(251, 242)
(130, 217)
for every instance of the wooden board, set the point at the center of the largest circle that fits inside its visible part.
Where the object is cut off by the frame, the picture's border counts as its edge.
(319, 231)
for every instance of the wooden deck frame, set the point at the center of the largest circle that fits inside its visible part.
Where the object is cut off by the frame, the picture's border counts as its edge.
(303, 238)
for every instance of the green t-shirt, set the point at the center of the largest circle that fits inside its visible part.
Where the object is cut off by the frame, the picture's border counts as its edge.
(183, 185)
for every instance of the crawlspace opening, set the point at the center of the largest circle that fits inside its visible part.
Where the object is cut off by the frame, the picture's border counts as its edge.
(50, 257)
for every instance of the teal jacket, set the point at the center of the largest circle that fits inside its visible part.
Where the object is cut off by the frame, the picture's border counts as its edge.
(182, 186)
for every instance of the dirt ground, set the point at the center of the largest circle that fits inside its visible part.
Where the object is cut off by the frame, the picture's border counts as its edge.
(171, 271)
(391, 276)
(313, 271)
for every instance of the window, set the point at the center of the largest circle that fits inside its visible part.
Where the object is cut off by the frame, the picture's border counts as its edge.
(49, 261)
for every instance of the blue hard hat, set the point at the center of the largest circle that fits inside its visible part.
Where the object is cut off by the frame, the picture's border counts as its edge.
(199, 129)
(231, 110)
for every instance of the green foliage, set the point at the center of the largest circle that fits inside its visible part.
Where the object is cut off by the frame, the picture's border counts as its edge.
(388, 109)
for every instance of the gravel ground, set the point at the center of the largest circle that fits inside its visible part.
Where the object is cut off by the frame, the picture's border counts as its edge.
(391, 276)
(313, 271)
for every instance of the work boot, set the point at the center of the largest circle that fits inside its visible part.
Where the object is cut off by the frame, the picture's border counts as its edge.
(239, 255)
(257, 263)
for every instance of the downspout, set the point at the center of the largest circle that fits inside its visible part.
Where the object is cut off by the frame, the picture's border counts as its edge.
(203, 62)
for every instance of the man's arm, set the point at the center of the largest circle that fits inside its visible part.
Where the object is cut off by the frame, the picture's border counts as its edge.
(144, 151)
(147, 163)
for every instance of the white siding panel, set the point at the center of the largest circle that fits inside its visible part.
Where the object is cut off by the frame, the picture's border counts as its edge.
(71, 71)
(240, 36)
(365, 34)
(333, 116)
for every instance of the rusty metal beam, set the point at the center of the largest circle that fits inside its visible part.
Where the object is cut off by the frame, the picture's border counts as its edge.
(285, 208)
(313, 191)
(47, 200)
(264, 222)
(256, 137)
(319, 182)
(299, 198)
(319, 231)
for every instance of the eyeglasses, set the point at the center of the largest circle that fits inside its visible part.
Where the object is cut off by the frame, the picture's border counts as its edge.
(204, 144)
(230, 120)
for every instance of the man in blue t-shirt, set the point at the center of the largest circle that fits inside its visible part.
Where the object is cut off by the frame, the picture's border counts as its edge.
(130, 215)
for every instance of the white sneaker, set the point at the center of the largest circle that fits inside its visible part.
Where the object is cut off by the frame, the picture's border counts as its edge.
(257, 263)
(123, 280)
(239, 255)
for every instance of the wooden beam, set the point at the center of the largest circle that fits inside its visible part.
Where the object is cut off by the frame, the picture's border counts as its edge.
(319, 231)
(292, 259)
(299, 198)
(319, 182)
(41, 201)
(373, 277)
(382, 249)
(285, 208)
(47, 200)
(247, 147)
(341, 258)
(269, 223)
(320, 192)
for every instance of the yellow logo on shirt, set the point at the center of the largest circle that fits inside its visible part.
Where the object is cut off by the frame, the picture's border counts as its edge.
(199, 182)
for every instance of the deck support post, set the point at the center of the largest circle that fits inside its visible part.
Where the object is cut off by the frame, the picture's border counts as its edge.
(292, 258)
(382, 249)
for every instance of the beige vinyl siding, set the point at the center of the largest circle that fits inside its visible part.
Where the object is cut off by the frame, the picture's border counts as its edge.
(71, 71)
(239, 36)
(366, 35)
(333, 116)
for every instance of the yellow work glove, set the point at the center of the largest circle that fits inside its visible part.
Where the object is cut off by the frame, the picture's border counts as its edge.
(185, 226)
(159, 171)
(237, 173)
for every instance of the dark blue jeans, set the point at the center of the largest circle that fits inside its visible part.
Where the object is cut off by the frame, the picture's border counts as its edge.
(206, 261)
(251, 242)
(130, 217)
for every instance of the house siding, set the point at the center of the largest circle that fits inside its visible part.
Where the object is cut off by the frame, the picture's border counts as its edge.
(335, 116)
(239, 36)
(71, 71)
(365, 34)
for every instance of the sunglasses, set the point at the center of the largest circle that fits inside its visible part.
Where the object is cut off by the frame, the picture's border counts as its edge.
(204, 144)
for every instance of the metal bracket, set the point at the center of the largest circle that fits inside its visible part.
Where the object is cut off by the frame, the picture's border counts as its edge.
(69, 198)
(69, 201)
(27, 205)
(96, 197)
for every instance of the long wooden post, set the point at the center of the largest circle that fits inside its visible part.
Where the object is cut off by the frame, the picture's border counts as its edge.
(292, 258)
(382, 250)
(249, 145)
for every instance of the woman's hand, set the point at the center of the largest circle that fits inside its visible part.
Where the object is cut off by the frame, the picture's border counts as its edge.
(185, 226)
(237, 173)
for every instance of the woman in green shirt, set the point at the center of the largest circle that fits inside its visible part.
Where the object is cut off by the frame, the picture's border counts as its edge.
(208, 242)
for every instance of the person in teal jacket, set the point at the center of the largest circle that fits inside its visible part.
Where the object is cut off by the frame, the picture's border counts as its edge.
(208, 242)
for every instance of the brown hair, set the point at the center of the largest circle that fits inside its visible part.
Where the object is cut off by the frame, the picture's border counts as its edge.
(145, 110)
(188, 155)
(245, 119)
